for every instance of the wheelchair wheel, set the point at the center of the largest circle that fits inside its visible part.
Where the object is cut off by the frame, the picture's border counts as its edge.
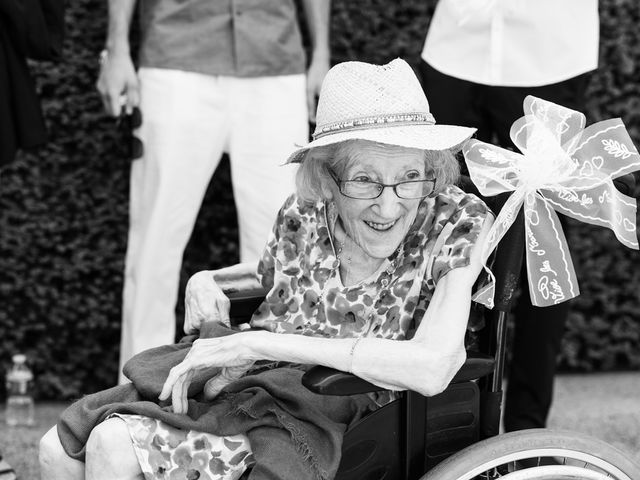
(537, 454)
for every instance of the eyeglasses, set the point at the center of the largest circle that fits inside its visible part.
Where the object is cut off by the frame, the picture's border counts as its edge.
(127, 123)
(367, 190)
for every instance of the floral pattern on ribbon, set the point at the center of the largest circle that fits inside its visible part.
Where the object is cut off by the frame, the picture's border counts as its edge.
(563, 167)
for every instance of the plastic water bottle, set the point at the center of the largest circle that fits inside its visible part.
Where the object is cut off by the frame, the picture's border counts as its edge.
(20, 407)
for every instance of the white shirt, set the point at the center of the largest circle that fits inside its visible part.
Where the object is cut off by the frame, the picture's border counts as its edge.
(523, 43)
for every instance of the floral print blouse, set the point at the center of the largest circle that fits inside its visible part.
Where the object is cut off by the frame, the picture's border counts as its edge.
(301, 270)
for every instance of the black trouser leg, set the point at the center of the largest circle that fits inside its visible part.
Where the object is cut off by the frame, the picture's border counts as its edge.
(455, 102)
(537, 342)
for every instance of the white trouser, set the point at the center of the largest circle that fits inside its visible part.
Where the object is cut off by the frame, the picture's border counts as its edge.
(188, 121)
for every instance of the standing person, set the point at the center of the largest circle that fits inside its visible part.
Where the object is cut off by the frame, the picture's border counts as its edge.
(481, 59)
(215, 76)
(32, 30)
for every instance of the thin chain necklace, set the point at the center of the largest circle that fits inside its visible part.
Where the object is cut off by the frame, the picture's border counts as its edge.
(339, 253)
(384, 278)
(335, 228)
(347, 249)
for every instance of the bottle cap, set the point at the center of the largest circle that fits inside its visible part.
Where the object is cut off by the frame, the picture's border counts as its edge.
(19, 358)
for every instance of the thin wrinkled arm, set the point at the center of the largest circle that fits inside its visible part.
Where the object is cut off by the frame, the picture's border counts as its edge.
(425, 364)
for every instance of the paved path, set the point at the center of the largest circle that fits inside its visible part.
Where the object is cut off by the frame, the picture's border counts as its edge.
(606, 406)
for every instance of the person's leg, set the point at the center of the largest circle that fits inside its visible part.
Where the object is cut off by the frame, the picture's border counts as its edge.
(268, 118)
(536, 345)
(458, 102)
(538, 331)
(455, 102)
(55, 464)
(183, 133)
(110, 453)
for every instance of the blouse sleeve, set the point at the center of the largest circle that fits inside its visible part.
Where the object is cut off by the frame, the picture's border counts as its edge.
(458, 237)
(266, 265)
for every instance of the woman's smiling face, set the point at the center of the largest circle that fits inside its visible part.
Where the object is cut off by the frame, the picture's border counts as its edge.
(379, 225)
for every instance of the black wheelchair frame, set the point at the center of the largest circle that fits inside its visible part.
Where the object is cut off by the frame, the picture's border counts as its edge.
(419, 433)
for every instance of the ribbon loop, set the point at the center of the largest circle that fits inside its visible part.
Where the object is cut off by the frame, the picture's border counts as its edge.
(563, 123)
(563, 167)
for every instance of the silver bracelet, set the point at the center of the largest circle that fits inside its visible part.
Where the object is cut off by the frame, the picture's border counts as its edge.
(351, 352)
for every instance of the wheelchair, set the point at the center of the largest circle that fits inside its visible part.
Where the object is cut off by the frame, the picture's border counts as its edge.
(455, 435)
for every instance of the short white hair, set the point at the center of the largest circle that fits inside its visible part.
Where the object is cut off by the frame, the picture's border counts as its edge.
(313, 176)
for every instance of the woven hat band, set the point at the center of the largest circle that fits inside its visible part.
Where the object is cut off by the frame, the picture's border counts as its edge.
(365, 123)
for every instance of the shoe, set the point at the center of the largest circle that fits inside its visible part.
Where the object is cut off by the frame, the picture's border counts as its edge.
(6, 471)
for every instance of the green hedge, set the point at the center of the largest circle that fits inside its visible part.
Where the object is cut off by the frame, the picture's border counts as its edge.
(63, 209)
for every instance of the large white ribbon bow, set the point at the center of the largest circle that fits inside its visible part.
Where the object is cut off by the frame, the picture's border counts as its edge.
(565, 167)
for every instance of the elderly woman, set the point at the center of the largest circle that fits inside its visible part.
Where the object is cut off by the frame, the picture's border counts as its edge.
(369, 269)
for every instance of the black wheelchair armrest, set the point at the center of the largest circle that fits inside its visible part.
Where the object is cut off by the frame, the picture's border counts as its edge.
(477, 365)
(328, 381)
(244, 303)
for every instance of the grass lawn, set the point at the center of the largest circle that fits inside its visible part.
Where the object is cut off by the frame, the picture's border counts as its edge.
(19, 445)
(602, 405)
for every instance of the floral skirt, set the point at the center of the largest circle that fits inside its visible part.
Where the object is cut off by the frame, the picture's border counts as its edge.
(169, 453)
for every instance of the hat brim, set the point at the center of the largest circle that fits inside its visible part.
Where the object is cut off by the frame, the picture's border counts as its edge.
(423, 137)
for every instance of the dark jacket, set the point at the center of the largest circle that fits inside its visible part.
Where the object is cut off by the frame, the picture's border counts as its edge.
(28, 29)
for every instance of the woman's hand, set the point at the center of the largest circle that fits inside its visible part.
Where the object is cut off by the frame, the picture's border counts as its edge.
(233, 352)
(204, 301)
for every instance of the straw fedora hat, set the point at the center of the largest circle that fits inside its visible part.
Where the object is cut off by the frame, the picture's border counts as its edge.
(380, 103)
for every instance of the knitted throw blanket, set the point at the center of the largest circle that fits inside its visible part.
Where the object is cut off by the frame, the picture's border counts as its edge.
(294, 433)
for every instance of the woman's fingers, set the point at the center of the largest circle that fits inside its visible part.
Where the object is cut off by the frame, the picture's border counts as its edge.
(228, 374)
(182, 403)
(172, 378)
(188, 323)
(224, 352)
(176, 392)
(178, 386)
(224, 306)
(192, 320)
(176, 376)
(214, 386)
(180, 376)
(215, 310)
